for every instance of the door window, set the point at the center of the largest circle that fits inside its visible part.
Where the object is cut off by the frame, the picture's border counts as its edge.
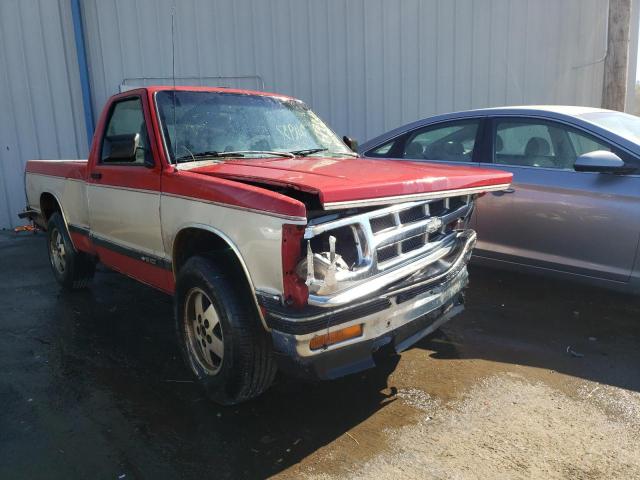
(381, 151)
(531, 143)
(452, 142)
(583, 144)
(127, 118)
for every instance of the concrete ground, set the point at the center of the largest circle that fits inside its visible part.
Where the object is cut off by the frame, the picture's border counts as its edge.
(537, 379)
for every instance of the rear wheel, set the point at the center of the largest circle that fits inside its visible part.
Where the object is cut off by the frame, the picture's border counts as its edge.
(220, 334)
(72, 269)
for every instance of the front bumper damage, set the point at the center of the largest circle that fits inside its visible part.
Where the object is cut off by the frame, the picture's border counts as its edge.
(420, 298)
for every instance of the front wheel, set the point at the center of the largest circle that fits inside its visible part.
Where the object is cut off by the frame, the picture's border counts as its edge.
(72, 269)
(220, 334)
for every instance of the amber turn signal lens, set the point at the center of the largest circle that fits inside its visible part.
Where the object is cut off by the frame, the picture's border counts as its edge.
(338, 336)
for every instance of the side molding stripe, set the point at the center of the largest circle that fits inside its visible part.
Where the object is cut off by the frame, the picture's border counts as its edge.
(129, 252)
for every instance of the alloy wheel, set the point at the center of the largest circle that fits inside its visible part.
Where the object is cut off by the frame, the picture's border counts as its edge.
(57, 251)
(204, 331)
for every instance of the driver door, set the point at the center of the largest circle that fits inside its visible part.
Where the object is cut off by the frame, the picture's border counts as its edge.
(124, 198)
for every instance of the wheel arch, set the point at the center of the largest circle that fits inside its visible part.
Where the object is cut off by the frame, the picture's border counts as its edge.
(197, 239)
(50, 204)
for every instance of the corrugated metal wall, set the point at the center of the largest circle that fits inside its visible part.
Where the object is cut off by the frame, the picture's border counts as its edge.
(40, 105)
(365, 66)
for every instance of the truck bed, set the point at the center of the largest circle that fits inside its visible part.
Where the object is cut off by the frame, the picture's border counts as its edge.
(74, 169)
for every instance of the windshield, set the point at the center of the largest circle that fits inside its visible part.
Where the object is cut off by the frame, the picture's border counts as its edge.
(622, 124)
(229, 122)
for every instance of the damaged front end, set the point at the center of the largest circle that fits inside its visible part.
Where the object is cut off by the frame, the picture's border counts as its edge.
(365, 279)
(350, 257)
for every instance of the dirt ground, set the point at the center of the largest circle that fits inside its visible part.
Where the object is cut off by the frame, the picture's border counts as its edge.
(507, 427)
(537, 379)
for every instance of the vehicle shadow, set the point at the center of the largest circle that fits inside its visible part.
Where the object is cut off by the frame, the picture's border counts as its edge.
(566, 327)
(118, 339)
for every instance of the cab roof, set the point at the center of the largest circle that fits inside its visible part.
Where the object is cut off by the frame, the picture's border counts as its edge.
(185, 88)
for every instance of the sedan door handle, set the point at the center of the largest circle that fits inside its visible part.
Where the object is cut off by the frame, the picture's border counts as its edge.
(96, 175)
(502, 192)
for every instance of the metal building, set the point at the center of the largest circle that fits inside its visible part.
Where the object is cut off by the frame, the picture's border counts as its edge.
(365, 66)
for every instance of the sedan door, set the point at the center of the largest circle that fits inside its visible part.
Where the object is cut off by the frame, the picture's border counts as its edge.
(553, 217)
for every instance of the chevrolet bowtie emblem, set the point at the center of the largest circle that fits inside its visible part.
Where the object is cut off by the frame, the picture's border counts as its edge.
(434, 224)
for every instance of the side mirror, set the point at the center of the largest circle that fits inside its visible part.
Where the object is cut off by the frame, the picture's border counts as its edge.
(122, 148)
(600, 161)
(351, 143)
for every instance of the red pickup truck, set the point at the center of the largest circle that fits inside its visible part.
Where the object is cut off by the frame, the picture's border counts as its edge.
(280, 246)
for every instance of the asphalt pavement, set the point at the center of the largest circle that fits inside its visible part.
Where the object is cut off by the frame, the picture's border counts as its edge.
(92, 385)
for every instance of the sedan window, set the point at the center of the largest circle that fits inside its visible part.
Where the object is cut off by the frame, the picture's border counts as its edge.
(583, 144)
(453, 142)
(524, 143)
(381, 151)
(531, 143)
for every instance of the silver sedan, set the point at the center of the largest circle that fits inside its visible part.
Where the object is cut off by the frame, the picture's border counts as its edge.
(573, 209)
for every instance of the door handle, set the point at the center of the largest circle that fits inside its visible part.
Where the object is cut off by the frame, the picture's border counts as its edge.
(502, 192)
(96, 175)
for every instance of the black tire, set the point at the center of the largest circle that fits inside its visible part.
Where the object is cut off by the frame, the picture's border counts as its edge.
(71, 268)
(246, 367)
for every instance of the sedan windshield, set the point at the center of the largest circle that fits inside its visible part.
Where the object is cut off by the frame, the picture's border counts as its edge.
(622, 124)
(199, 124)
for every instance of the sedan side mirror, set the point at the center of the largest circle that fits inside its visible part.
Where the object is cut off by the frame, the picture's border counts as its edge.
(600, 161)
(351, 143)
(122, 148)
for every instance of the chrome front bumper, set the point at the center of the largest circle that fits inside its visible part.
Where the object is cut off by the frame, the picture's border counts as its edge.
(396, 316)
(395, 328)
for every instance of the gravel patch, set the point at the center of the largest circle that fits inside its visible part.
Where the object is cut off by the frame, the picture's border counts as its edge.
(508, 428)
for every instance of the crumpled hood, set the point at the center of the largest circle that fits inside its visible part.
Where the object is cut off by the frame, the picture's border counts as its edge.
(350, 179)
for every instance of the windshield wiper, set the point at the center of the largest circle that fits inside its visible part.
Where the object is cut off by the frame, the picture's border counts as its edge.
(308, 151)
(207, 154)
(344, 154)
(311, 151)
(244, 153)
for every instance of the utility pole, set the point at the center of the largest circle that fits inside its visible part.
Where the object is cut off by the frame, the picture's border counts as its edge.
(614, 88)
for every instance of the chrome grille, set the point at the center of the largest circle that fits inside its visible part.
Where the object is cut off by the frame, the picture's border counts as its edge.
(413, 214)
(413, 243)
(373, 248)
(387, 253)
(394, 235)
(382, 223)
(410, 229)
